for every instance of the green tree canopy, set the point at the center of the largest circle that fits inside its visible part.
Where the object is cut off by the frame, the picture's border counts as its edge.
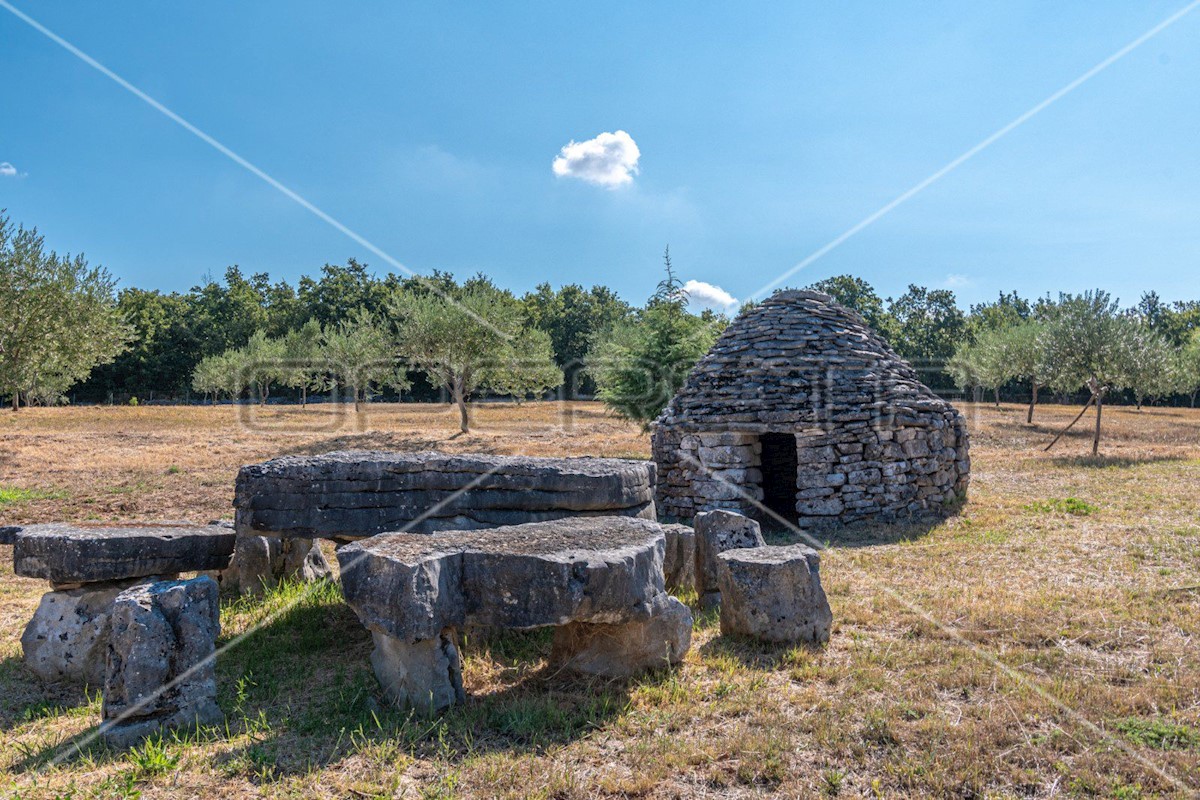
(58, 317)
(473, 338)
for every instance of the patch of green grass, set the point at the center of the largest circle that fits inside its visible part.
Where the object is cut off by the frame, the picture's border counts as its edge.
(13, 494)
(1059, 505)
(153, 758)
(1159, 734)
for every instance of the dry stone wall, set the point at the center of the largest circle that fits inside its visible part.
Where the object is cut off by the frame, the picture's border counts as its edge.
(871, 441)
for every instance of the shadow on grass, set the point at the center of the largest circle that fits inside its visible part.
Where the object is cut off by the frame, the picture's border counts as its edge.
(26, 698)
(858, 534)
(757, 654)
(1119, 462)
(299, 694)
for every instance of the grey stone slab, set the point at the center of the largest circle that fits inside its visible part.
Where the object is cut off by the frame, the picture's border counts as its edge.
(596, 569)
(81, 553)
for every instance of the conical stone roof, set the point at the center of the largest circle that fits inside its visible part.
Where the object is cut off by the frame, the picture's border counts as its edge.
(799, 359)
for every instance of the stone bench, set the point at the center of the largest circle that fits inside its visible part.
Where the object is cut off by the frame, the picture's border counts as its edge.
(597, 580)
(283, 504)
(774, 594)
(88, 567)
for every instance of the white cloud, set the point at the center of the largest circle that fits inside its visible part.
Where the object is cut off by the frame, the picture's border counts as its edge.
(7, 170)
(955, 280)
(611, 160)
(706, 295)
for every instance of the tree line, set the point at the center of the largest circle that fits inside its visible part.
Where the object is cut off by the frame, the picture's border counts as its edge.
(65, 332)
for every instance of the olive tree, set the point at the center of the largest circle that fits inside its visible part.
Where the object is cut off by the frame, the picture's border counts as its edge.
(58, 317)
(304, 367)
(1151, 369)
(1088, 343)
(1023, 354)
(359, 353)
(473, 338)
(982, 363)
(1189, 368)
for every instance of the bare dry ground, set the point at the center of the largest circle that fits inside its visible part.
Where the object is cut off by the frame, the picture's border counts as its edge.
(1042, 643)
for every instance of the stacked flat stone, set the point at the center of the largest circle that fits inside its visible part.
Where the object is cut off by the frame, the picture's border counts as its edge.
(284, 504)
(88, 567)
(354, 494)
(872, 441)
(598, 580)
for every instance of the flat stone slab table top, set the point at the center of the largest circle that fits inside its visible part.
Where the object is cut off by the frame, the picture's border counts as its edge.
(581, 569)
(354, 494)
(595, 578)
(67, 554)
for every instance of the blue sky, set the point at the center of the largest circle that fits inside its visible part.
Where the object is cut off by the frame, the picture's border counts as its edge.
(762, 132)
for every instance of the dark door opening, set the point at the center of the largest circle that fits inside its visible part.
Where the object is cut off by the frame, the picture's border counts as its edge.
(779, 470)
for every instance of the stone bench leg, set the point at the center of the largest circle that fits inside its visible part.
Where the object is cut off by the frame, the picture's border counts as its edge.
(624, 650)
(160, 672)
(425, 674)
(67, 638)
(261, 562)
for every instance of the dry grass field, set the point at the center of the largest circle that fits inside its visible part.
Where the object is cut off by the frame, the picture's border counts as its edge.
(1045, 642)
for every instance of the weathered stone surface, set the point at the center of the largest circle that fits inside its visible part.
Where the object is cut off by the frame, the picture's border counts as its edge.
(600, 577)
(80, 553)
(774, 594)
(261, 562)
(160, 670)
(716, 532)
(596, 569)
(679, 561)
(8, 534)
(801, 364)
(354, 494)
(623, 650)
(67, 639)
(426, 674)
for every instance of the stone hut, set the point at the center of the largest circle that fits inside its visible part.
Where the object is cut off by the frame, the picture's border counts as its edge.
(800, 407)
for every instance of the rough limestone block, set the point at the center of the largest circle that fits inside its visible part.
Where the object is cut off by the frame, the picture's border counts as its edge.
(624, 650)
(67, 639)
(774, 594)
(80, 553)
(8, 534)
(261, 562)
(716, 532)
(679, 560)
(161, 656)
(426, 674)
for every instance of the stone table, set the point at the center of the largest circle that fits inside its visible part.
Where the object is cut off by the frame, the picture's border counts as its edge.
(284, 504)
(598, 580)
(88, 566)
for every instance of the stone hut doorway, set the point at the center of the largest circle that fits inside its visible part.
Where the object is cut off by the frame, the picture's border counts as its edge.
(780, 471)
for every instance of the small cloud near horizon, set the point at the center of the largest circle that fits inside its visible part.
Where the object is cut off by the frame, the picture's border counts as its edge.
(7, 170)
(955, 280)
(609, 160)
(706, 295)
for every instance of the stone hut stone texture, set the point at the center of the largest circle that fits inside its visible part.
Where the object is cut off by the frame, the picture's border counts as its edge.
(871, 442)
